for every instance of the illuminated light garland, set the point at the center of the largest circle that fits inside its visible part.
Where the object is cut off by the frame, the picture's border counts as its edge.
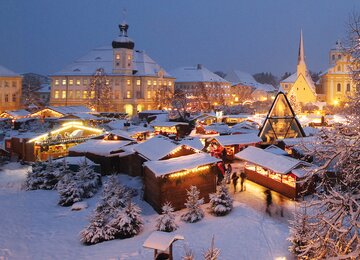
(186, 172)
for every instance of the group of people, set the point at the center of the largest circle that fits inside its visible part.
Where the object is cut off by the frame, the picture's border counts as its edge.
(226, 172)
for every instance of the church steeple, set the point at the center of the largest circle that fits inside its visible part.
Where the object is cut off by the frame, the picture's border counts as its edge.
(301, 66)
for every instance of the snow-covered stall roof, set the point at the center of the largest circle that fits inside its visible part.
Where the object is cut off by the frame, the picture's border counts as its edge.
(167, 124)
(117, 124)
(196, 74)
(219, 128)
(5, 72)
(289, 142)
(82, 116)
(277, 163)
(246, 79)
(75, 160)
(102, 57)
(122, 134)
(17, 113)
(99, 147)
(161, 240)
(70, 109)
(241, 139)
(275, 150)
(193, 142)
(156, 148)
(187, 162)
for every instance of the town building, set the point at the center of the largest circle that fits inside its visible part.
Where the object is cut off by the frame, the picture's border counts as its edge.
(113, 78)
(336, 84)
(10, 89)
(299, 87)
(203, 88)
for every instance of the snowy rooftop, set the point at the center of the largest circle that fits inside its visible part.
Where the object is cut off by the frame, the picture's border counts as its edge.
(193, 142)
(102, 57)
(295, 141)
(161, 240)
(156, 147)
(45, 88)
(246, 79)
(18, 113)
(82, 116)
(219, 128)
(69, 109)
(275, 150)
(241, 139)
(277, 163)
(78, 160)
(99, 147)
(160, 168)
(290, 79)
(167, 124)
(4, 72)
(196, 74)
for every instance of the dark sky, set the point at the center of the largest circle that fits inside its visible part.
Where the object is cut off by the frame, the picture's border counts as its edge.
(43, 36)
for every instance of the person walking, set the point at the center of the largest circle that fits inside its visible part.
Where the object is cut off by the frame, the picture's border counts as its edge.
(242, 180)
(281, 202)
(234, 179)
(228, 173)
(268, 201)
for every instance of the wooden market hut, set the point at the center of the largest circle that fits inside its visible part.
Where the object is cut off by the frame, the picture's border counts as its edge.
(178, 129)
(277, 172)
(235, 119)
(110, 154)
(231, 143)
(59, 111)
(168, 180)
(15, 114)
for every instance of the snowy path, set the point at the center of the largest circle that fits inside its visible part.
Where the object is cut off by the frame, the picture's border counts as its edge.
(32, 226)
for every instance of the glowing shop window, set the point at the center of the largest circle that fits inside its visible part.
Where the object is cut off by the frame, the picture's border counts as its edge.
(289, 180)
(63, 94)
(138, 82)
(92, 94)
(56, 95)
(84, 94)
(128, 82)
(128, 94)
(64, 82)
(57, 82)
(78, 82)
(71, 82)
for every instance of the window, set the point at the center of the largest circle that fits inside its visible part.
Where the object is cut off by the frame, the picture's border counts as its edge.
(92, 94)
(14, 84)
(149, 82)
(348, 87)
(128, 82)
(333, 57)
(64, 82)
(170, 83)
(6, 97)
(117, 82)
(13, 97)
(117, 56)
(78, 94)
(338, 68)
(339, 56)
(338, 87)
(129, 60)
(56, 94)
(71, 82)
(56, 82)
(154, 82)
(6, 84)
(84, 94)
(138, 82)
(128, 94)
(107, 82)
(63, 94)
(149, 94)
(70, 94)
(78, 82)
(85, 81)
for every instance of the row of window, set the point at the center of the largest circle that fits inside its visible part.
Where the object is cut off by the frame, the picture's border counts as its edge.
(190, 87)
(77, 82)
(7, 98)
(86, 94)
(338, 87)
(7, 84)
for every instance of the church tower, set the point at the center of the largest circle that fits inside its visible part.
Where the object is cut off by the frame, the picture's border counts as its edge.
(301, 66)
(123, 48)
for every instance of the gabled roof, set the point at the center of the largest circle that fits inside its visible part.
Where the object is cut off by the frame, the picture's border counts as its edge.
(65, 110)
(275, 150)
(156, 148)
(99, 147)
(241, 139)
(196, 74)
(290, 79)
(246, 79)
(187, 162)
(102, 57)
(17, 113)
(5, 72)
(277, 163)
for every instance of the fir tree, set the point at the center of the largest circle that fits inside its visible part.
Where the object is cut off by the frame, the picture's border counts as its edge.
(127, 222)
(43, 175)
(69, 190)
(212, 253)
(97, 231)
(194, 212)
(221, 203)
(166, 221)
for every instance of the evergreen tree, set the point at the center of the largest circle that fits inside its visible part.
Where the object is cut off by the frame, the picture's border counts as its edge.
(194, 212)
(88, 180)
(189, 254)
(221, 203)
(97, 231)
(43, 175)
(166, 221)
(127, 222)
(69, 190)
(212, 253)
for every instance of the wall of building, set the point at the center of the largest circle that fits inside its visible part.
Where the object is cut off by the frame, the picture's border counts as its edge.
(10, 93)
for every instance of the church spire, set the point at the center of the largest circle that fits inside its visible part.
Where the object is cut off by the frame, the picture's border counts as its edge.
(301, 66)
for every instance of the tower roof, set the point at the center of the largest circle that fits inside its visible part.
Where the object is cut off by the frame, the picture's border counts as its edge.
(123, 41)
(301, 54)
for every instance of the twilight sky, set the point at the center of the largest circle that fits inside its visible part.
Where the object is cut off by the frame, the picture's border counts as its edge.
(42, 36)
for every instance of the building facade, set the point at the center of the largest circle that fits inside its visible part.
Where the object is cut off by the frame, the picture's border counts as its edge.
(10, 90)
(134, 82)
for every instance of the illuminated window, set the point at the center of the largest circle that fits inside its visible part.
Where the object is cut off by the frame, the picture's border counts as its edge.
(63, 82)
(149, 94)
(13, 97)
(149, 82)
(56, 82)
(84, 94)
(56, 95)
(236, 99)
(63, 94)
(129, 60)
(138, 82)
(92, 94)
(78, 94)
(348, 87)
(6, 97)
(70, 94)
(78, 82)
(154, 82)
(107, 82)
(128, 82)
(117, 56)
(85, 81)
(170, 83)
(338, 87)
(128, 94)
(71, 82)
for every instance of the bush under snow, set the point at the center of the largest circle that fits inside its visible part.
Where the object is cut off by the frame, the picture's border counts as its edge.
(221, 203)
(166, 222)
(194, 212)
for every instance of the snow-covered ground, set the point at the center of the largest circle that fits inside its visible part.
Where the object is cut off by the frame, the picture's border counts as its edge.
(33, 226)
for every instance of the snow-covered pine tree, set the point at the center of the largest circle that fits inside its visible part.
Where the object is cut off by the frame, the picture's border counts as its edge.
(127, 222)
(221, 203)
(88, 180)
(166, 221)
(51, 175)
(212, 253)
(189, 254)
(194, 212)
(34, 178)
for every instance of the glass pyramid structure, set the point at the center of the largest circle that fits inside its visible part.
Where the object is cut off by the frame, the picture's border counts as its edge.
(281, 121)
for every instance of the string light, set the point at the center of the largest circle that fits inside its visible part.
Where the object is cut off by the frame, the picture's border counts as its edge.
(186, 172)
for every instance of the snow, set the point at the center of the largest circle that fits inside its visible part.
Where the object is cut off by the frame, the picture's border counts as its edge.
(240, 139)
(196, 74)
(188, 162)
(99, 147)
(72, 160)
(81, 205)
(193, 142)
(65, 110)
(156, 147)
(18, 113)
(33, 226)
(290, 79)
(166, 124)
(277, 163)
(246, 79)
(161, 240)
(275, 150)
(4, 72)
